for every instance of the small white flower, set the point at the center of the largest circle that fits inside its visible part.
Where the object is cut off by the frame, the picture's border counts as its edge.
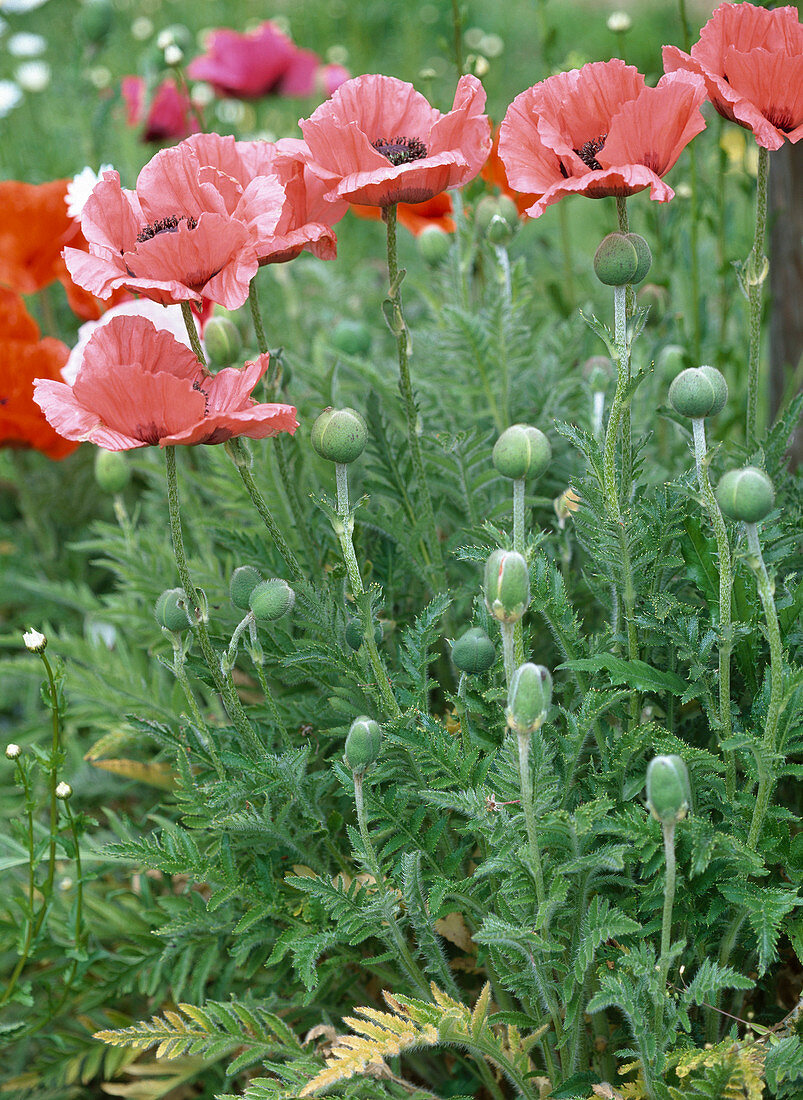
(33, 76)
(25, 44)
(13, 751)
(20, 7)
(202, 94)
(10, 96)
(142, 28)
(63, 791)
(619, 22)
(165, 38)
(34, 641)
(174, 54)
(80, 188)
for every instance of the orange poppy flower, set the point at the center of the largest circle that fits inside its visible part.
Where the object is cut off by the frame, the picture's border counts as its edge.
(415, 217)
(752, 62)
(23, 357)
(495, 174)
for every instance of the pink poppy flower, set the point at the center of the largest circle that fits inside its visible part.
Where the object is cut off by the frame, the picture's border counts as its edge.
(188, 232)
(169, 113)
(377, 141)
(599, 131)
(305, 219)
(752, 62)
(138, 386)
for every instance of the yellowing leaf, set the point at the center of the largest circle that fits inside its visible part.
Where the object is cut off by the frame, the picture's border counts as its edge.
(154, 773)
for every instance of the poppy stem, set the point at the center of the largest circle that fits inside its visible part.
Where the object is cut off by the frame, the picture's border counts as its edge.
(457, 23)
(400, 331)
(227, 692)
(630, 305)
(192, 332)
(725, 590)
(754, 273)
(666, 923)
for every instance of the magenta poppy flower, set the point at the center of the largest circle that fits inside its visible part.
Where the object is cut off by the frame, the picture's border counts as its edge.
(137, 386)
(305, 219)
(169, 113)
(188, 232)
(599, 131)
(377, 141)
(752, 62)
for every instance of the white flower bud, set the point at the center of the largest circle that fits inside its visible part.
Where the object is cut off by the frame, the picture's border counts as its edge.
(174, 54)
(34, 641)
(619, 22)
(13, 751)
(63, 791)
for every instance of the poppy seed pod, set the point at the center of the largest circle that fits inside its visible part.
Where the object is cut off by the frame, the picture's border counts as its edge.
(111, 470)
(529, 697)
(668, 789)
(354, 634)
(171, 610)
(698, 392)
(363, 743)
(473, 652)
(643, 255)
(521, 451)
(434, 245)
(616, 261)
(507, 585)
(339, 435)
(271, 599)
(244, 580)
(745, 494)
(222, 341)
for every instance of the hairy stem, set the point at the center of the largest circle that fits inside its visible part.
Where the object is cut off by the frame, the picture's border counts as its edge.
(755, 273)
(666, 924)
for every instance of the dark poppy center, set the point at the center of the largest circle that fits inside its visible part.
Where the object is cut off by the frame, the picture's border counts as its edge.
(401, 150)
(588, 152)
(165, 225)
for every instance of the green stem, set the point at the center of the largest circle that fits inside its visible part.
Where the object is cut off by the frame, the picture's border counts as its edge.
(722, 211)
(518, 546)
(508, 647)
(770, 743)
(29, 931)
(256, 316)
(227, 693)
(406, 389)
(54, 778)
(566, 248)
(755, 273)
(344, 530)
(666, 925)
(457, 24)
(409, 964)
(615, 415)
(630, 306)
(192, 332)
(180, 674)
(725, 599)
(529, 813)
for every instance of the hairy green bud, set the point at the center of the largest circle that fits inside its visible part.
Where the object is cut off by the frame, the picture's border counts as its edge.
(271, 599)
(244, 580)
(363, 743)
(473, 652)
(434, 245)
(521, 451)
(351, 337)
(339, 435)
(745, 494)
(668, 789)
(507, 585)
(222, 341)
(112, 472)
(529, 697)
(698, 392)
(616, 261)
(643, 256)
(354, 634)
(171, 610)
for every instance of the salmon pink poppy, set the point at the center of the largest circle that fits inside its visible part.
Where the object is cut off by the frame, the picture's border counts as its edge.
(377, 141)
(599, 131)
(752, 61)
(417, 216)
(138, 386)
(493, 172)
(188, 232)
(168, 115)
(24, 357)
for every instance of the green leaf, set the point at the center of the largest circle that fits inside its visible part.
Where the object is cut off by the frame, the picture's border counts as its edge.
(636, 674)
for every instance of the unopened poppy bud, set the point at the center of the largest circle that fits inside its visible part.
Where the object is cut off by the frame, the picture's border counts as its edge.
(271, 599)
(434, 244)
(521, 451)
(363, 743)
(112, 472)
(473, 652)
(171, 610)
(528, 698)
(698, 392)
(63, 791)
(13, 751)
(339, 435)
(354, 634)
(668, 789)
(222, 341)
(643, 255)
(507, 585)
(745, 494)
(34, 641)
(351, 337)
(94, 20)
(616, 260)
(244, 580)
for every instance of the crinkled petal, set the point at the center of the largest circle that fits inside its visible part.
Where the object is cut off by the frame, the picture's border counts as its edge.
(414, 182)
(771, 82)
(230, 389)
(258, 422)
(74, 421)
(578, 106)
(466, 128)
(136, 401)
(99, 275)
(339, 149)
(170, 184)
(111, 217)
(135, 339)
(530, 166)
(621, 181)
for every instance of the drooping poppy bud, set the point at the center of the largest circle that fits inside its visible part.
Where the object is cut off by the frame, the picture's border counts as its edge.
(473, 652)
(269, 600)
(521, 451)
(529, 697)
(339, 435)
(244, 580)
(171, 610)
(698, 392)
(112, 472)
(745, 494)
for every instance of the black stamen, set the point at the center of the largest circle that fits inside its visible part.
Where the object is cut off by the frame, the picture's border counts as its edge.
(165, 225)
(401, 150)
(588, 152)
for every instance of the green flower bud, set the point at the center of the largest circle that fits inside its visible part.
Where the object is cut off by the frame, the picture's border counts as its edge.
(434, 244)
(616, 260)
(528, 698)
(521, 451)
(94, 20)
(354, 635)
(745, 494)
(507, 585)
(473, 652)
(643, 255)
(351, 337)
(668, 789)
(363, 743)
(171, 610)
(244, 580)
(339, 435)
(112, 472)
(222, 342)
(271, 599)
(698, 392)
